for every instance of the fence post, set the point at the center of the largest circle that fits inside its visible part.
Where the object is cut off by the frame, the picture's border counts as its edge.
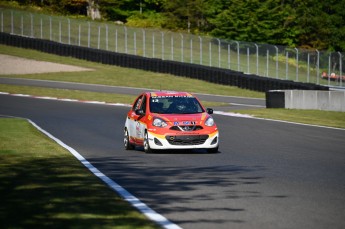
(116, 40)
(79, 34)
(210, 53)
(32, 26)
(106, 38)
(69, 31)
(21, 25)
(277, 52)
(12, 22)
(50, 29)
(238, 55)
(318, 66)
(2, 21)
(60, 31)
(191, 50)
(248, 64)
(162, 45)
(340, 69)
(287, 66)
(257, 58)
(41, 28)
(219, 50)
(99, 37)
(153, 45)
(200, 40)
(135, 43)
(144, 42)
(267, 61)
(229, 57)
(296, 64)
(89, 35)
(172, 47)
(329, 69)
(181, 47)
(125, 28)
(308, 67)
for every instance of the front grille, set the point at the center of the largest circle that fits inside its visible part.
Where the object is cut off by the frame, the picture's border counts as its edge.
(186, 139)
(186, 128)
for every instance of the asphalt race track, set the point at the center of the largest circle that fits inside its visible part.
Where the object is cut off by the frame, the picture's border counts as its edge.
(267, 174)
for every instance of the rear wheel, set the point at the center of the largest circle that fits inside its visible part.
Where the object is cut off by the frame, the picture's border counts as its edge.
(128, 145)
(147, 148)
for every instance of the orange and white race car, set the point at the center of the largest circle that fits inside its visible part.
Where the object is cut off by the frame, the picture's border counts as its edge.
(170, 120)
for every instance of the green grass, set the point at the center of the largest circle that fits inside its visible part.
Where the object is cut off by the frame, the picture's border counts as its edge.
(81, 95)
(44, 186)
(158, 43)
(118, 76)
(314, 117)
(68, 94)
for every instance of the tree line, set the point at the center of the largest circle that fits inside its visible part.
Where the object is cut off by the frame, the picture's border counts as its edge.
(310, 24)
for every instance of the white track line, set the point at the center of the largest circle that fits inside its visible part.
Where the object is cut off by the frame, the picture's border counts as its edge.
(128, 105)
(135, 202)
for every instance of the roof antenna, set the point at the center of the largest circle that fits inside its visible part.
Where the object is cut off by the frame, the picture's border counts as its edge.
(160, 87)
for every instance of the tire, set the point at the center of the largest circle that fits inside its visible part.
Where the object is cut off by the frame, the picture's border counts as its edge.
(127, 144)
(147, 148)
(212, 150)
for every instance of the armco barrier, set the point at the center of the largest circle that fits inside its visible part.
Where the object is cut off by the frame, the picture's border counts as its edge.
(201, 72)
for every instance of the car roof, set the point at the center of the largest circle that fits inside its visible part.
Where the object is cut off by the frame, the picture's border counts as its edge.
(169, 93)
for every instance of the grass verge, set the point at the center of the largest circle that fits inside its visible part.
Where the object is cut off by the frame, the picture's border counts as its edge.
(117, 76)
(81, 95)
(314, 117)
(44, 186)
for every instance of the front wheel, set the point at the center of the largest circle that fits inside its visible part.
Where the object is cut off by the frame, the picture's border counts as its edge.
(127, 144)
(147, 148)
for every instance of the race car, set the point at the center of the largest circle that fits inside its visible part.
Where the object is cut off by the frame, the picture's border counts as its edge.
(166, 120)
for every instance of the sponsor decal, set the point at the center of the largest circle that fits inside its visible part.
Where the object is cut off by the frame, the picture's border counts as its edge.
(138, 130)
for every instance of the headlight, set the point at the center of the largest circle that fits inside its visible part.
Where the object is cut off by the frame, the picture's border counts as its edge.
(209, 121)
(159, 122)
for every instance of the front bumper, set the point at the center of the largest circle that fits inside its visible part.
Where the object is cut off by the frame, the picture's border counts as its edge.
(183, 141)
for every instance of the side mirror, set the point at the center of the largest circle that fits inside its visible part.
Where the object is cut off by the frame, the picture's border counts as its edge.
(209, 110)
(139, 112)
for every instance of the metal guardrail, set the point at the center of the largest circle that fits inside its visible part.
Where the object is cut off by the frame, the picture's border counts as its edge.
(271, 61)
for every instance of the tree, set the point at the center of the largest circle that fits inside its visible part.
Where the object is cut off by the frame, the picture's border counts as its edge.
(322, 24)
(186, 14)
(256, 21)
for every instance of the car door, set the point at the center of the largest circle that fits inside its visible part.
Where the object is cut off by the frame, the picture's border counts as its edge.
(132, 119)
(136, 125)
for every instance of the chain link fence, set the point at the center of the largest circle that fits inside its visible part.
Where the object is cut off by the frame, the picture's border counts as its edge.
(280, 62)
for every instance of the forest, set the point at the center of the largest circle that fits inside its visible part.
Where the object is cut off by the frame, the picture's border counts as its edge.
(308, 24)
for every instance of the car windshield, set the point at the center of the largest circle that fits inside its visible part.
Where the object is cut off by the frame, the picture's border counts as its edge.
(175, 105)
